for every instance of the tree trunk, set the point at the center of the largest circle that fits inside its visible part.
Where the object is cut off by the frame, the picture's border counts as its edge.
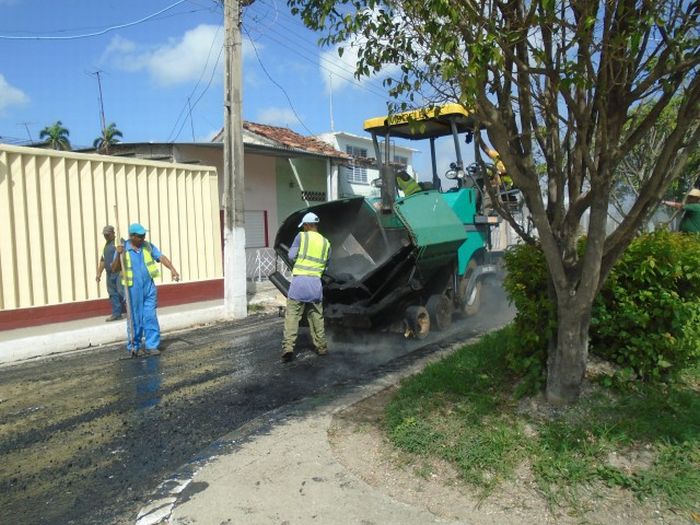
(568, 350)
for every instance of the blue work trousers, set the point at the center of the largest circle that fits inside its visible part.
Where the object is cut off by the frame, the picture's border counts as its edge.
(144, 301)
(116, 292)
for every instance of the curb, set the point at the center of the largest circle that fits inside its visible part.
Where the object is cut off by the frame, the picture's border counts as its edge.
(75, 339)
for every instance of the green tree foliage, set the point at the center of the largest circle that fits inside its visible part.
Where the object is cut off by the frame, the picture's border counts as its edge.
(646, 319)
(56, 136)
(555, 83)
(637, 166)
(110, 136)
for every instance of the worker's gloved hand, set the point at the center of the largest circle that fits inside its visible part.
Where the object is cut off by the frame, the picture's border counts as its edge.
(120, 248)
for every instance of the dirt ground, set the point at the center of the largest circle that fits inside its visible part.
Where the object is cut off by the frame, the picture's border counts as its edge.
(360, 444)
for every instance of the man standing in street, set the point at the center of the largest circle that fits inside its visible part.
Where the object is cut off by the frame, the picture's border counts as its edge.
(114, 286)
(310, 251)
(690, 222)
(140, 268)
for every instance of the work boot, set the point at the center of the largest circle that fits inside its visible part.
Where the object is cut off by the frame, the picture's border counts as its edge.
(152, 351)
(287, 356)
(322, 351)
(113, 318)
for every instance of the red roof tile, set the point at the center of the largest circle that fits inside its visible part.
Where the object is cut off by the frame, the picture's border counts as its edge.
(290, 139)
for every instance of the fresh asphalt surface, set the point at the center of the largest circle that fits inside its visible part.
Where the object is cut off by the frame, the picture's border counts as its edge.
(84, 438)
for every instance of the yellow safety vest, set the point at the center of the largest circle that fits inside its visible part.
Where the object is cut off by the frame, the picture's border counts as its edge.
(313, 254)
(151, 266)
(408, 187)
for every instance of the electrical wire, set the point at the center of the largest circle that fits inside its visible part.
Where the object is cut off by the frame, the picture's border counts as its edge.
(201, 76)
(373, 86)
(211, 78)
(96, 33)
(262, 66)
(318, 61)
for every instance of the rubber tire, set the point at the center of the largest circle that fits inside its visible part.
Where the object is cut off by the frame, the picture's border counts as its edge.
(472, 307)
(440, 309)
(418, 320)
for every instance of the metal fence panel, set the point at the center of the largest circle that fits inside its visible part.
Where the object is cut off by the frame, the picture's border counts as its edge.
(53, 206)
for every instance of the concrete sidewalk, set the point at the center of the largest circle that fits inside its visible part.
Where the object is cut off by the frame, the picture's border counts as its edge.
(281, 469)
(26, 343)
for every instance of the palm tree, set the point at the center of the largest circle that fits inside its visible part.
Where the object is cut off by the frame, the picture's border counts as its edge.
(110, 136)
(56, 136)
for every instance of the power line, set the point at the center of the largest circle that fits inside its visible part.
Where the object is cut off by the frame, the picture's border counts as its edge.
(211, 78)
(88, 28)
(370, 89)
(313, 49)
(255, 49)
(201, 76)
(96, 33)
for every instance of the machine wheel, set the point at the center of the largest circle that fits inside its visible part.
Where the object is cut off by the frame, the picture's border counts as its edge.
(440, 309)
(418, 322)
(470, 305)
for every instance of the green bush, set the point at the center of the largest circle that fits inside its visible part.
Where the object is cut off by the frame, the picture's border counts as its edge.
(646, 318)
(526, 284)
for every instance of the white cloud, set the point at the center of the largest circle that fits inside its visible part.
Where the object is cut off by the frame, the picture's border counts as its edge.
(173, 62)
(277, 117)
(10, 95)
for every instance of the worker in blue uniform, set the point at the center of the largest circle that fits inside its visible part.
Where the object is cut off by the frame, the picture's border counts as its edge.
(140, 268)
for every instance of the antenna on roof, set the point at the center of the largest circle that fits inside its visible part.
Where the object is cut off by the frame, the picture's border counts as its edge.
(330, 88)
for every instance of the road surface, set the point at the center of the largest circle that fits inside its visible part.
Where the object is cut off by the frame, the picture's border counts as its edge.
(85, 437)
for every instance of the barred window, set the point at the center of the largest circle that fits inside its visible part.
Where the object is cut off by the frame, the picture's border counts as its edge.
(313, 196)
(357, 173)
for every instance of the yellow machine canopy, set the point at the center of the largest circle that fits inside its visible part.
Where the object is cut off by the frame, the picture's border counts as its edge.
(422, 123)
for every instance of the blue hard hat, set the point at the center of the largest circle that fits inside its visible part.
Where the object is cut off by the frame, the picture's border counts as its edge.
(137, 229)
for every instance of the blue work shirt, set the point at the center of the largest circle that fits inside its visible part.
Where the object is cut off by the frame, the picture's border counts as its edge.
(304, 288)
(138, 266)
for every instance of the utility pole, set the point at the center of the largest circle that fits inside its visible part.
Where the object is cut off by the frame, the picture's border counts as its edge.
(101, 100)
(189, 107)
(26, 126)
(330, 89)
(235, 301)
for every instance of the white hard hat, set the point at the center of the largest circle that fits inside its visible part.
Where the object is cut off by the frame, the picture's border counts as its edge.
(309, 218)
(695, 192)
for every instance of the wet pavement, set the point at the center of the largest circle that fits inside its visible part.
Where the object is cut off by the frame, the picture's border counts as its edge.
(85, 437)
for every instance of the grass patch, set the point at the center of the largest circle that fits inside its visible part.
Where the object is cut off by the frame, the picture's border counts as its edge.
(645, 439)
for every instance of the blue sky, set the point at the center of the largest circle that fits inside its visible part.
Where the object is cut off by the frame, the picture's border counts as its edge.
(149, 71)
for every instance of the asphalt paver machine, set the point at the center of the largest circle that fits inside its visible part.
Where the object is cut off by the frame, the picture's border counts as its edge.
(404, 263)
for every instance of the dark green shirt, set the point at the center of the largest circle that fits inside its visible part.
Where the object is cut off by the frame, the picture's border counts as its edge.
(691, 218)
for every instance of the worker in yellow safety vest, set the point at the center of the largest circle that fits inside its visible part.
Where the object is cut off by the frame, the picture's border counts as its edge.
(407, 184)
(310, 252)
(140, 268)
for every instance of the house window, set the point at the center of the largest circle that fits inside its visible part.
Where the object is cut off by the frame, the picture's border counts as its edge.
(357, 173)
(399, 159)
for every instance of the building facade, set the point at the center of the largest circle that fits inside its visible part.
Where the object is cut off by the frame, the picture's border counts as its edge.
(356, 177)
